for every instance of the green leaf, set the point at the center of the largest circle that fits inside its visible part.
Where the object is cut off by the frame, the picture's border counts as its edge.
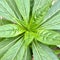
(53, 12)
(53, 23)
(9, 10)
(42, 52)
(10, 30)
(22, 54)
(5, 44)
(48, 37)
(40, 8)
(13, 51)
(12, 4)
(29, 36)
(24, 8)
(27, 55)
(6, 11)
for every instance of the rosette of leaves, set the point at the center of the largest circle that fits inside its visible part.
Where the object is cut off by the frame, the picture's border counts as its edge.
(28, 28)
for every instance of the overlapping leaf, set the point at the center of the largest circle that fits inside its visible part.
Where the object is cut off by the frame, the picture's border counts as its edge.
(17, 52)
(24, 8)
(52, 18)
(10, 11)
(12, 52)
(6, 11)
(42, 52)
(23, 55)
(40, 8)
(53, 23)
(5, 44)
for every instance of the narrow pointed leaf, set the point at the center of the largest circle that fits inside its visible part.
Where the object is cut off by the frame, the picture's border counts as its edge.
(53, 11)
(6, 11)
(53, 23)
(20, 54)
(24, 54)
(10, 30)
(6, 44)
(24, 8)
(42, 52)
(40, 8)
(49, 37)
(12, 4)
(12, 52)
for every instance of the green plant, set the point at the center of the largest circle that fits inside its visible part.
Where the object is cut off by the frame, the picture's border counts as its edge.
(27, 27)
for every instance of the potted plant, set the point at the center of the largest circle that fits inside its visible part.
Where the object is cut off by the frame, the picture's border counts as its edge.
(29, 28)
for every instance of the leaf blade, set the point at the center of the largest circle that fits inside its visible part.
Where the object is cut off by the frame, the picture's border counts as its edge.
(6, 11)
(10, 30)
(8, 44)
(48, 37)
(27, 55)
(15, 48)
(55, 9)
(43, 52)
(40, 9)
(53, 23)
(24, 8)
